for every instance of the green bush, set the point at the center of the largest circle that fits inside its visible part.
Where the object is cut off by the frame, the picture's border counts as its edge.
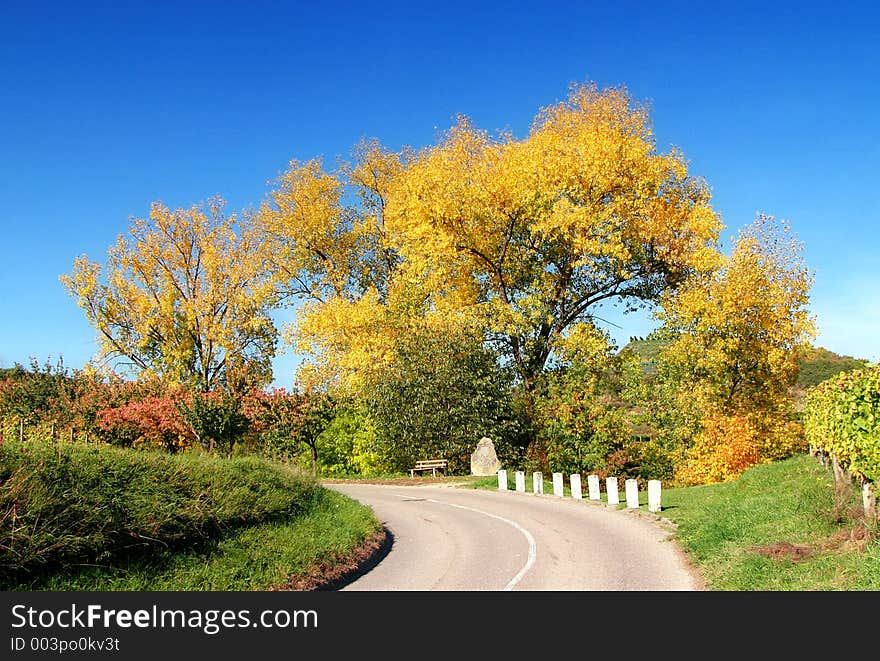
(63, 504)
(439, 396)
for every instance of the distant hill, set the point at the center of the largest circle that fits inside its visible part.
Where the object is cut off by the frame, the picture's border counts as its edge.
(818, 364)
(647, 349)
(815, 365)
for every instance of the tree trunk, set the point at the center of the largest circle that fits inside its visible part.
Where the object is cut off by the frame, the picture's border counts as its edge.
(839, 475)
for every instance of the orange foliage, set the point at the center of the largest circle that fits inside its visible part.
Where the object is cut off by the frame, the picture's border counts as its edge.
(723, 450)
(153, 422)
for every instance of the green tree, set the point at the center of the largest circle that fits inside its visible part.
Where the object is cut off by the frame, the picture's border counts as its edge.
(581, 417)
(289, 422)
(215, 418)
(440, 394)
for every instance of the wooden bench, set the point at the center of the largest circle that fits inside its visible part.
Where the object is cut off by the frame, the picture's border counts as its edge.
(428, 465)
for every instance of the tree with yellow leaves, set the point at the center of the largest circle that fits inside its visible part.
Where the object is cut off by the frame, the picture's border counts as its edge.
(737, 336)
(739, 330)
(522, 238)
(327, 237)
(532, 235)
(185, 298)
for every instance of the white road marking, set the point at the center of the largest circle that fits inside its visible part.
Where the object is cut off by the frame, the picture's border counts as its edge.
(533, 547)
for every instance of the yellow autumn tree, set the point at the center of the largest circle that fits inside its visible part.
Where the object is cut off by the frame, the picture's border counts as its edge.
(522, 238)
(327, 237)
(531, 235)
(185, 297)
(738, 333)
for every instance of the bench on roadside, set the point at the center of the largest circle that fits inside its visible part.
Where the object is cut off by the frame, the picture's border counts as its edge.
(428, 465)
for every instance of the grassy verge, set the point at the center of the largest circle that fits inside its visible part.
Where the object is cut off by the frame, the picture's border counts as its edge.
(87, 518)
(780, 526)
(259, 557)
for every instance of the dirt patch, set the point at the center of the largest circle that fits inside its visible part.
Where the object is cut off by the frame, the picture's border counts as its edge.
(845, 541)
(785, 551)
(850, 540)
(336, 572)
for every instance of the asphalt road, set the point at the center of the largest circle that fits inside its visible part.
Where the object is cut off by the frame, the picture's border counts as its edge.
(460, 539)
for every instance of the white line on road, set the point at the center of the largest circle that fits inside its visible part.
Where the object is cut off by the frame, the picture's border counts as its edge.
(533, 547)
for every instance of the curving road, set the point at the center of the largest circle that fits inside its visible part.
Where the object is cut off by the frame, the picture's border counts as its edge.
(458, 539)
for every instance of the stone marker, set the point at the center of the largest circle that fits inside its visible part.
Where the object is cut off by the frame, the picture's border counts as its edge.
(484, 461)
(632, 494)
(520, 478)
(576, 486)
(593, 486)
(653, 495)
(611, 491)
(537, 482)
(502, 480)
(558, 488)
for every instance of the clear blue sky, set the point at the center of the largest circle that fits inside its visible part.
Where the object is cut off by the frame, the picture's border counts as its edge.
(105, 107)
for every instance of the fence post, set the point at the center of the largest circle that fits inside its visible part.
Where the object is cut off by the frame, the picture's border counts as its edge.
(839, 477)
(576, 486)
(502, 480)
(558, 488)
(654, 492)
(537, 482)
(611, 490)
(632, 494)
(520, 478)
(593, 486)
(869, 502)
(21, 430)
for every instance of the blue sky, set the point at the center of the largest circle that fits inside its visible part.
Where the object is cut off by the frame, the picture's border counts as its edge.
(106, 107)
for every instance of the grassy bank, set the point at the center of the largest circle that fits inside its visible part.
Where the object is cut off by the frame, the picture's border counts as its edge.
(778, 527)
(260, 557)
(83, 518)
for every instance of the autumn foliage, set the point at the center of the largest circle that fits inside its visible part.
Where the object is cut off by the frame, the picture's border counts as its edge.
(512, 243)
(737, 336)
(183, 298)
(150, 422)
(522, 238)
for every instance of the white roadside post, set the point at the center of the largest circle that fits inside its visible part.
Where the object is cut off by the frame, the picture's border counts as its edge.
(632, 494)
(654, 495)
(558, 488)
(502, 480)
(520, 478)
(537, 482)
(576, 486)
(593, 486)
(611, 490)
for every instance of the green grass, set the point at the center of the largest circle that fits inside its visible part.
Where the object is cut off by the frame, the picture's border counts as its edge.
(252, 558)
(724, 527)
(102, 518)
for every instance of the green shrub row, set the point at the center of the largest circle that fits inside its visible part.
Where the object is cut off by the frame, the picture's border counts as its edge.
(842, 418)
(63, 504)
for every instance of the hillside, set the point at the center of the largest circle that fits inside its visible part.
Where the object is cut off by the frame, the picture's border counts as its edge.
(819, 364)
(815, 365)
